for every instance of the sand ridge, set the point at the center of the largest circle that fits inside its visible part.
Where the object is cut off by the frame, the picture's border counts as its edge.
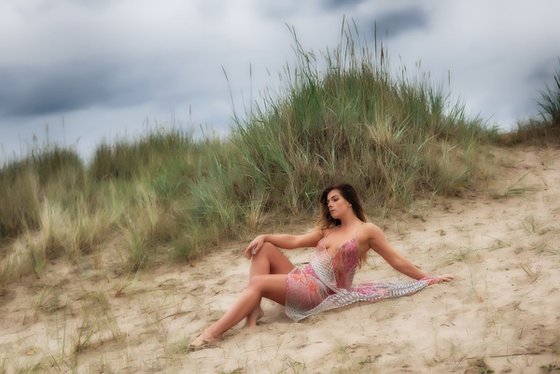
(501, 312)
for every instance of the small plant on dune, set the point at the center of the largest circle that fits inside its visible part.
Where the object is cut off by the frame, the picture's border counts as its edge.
(292, 366)
(516, 188)
(550, 368)
(98, 325)
(48, 300)
(550, 101)
(479, 366)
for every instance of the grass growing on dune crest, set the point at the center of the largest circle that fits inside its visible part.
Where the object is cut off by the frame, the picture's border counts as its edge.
(168, 196)
(393, 138)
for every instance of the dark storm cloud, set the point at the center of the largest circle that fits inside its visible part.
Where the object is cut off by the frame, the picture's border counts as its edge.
(283, 10)
(338, 4)
(545, 71)
(280, 10)
(42, 90)
(400, 21)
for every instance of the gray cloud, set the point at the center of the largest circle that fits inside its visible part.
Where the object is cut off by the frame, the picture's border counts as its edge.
(337, 4)
(545, 71)
(72, 86)
(40, 90)
(394, 23)
(67, 86)
(279, 10)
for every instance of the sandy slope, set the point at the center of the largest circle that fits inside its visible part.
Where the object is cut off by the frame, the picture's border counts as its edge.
(501, 312)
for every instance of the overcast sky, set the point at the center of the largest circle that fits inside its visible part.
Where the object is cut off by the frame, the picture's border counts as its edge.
(98, 70)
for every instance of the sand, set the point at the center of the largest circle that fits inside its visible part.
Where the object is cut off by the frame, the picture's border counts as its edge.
(501, 313)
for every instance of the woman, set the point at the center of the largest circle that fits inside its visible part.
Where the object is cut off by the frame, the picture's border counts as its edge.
(341, 244)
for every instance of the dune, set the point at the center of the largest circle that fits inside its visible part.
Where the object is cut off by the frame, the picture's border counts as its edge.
(500, 313)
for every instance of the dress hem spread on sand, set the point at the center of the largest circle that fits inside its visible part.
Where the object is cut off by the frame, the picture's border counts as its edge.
(325, 283)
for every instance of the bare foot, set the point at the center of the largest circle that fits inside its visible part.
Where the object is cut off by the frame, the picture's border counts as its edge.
(255, 315)
(203, 341)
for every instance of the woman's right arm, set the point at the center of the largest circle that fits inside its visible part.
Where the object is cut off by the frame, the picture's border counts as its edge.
(285, 241)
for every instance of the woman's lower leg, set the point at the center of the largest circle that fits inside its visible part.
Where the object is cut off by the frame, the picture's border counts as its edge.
(254, 316)
(269, 286)
(269, 260)
(260, 265)
(247, 302)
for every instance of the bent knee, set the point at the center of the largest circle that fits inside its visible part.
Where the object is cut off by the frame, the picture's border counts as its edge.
(268, 247)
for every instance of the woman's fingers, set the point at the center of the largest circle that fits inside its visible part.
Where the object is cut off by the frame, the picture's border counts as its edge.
(445, 278)
(252, 248)
(438, 279)
(248, 251)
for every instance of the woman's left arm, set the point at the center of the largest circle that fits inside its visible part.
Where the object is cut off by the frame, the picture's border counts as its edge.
(378, 242)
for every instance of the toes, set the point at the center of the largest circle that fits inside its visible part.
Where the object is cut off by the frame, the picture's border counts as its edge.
(202, 343)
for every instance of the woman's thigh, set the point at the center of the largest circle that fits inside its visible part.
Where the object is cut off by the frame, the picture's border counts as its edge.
(279, 263)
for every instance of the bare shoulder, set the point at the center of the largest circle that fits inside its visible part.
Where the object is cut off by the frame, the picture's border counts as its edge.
(370, 235)
(372, 231)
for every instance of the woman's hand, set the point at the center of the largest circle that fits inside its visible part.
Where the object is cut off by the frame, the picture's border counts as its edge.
(437, 279)
(254, 246)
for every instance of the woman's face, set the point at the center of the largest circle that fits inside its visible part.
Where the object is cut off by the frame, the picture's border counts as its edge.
(337, 204)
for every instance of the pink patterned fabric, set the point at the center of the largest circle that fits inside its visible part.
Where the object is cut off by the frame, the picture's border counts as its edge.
(326, 283)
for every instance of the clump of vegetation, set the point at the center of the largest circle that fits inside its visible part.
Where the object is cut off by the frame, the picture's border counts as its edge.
(479, 367)
(54, 171)
(550, 102)
(170, 196)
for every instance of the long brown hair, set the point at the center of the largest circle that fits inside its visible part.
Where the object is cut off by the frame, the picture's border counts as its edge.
(349, 193)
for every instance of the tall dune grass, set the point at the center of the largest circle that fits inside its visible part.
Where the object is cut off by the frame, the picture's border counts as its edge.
(351, 121)
(549, 102)
(53, 171)
(170, 196)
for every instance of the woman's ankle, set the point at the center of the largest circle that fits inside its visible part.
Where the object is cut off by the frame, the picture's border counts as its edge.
(256, 314)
